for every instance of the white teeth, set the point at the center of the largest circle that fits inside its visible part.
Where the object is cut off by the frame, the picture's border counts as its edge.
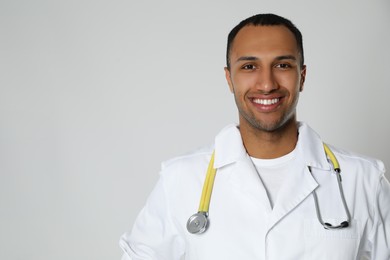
(266, 101)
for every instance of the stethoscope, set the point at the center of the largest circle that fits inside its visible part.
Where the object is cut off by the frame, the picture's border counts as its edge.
(198, 223)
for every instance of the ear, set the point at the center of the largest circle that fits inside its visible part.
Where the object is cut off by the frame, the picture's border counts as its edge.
(303, 77)
(228, 79)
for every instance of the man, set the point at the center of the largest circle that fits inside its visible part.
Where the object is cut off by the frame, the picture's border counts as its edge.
(276, 188)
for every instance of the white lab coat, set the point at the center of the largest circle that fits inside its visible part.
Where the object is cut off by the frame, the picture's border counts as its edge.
(242, 223)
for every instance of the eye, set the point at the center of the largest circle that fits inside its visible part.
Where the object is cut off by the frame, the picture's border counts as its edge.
(248, 67)
(283, 66)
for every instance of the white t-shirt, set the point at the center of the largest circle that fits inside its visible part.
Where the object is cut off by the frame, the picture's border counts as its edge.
(273, 172)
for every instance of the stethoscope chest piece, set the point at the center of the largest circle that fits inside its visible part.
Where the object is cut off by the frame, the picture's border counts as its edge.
(197, 223)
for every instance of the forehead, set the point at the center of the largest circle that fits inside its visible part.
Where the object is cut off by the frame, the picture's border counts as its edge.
(271, 39)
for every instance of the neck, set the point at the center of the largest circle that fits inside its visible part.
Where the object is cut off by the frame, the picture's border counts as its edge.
(270, 144)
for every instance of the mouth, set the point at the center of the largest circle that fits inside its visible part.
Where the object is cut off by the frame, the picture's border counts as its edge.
(266, 104)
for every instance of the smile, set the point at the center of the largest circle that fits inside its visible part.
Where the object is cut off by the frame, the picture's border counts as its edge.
(266, 101)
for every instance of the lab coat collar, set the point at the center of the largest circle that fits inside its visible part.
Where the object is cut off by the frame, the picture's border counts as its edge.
(229, 147)
(310, 148)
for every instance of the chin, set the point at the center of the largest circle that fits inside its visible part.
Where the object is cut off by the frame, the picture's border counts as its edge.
(272, 126)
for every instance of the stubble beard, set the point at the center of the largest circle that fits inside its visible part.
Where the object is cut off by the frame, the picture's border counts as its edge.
(269, 127)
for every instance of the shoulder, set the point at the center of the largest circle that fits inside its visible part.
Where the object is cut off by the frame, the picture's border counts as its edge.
(356, 160)
(359, 170)
(348, 160)
(193, 165)
(190, 162)
(182, 176)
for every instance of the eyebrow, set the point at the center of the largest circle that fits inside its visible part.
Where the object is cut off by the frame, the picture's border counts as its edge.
(279, 58)
(286, 57)
(247, 58)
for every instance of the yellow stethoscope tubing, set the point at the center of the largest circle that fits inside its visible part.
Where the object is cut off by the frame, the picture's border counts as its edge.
(208, 186)
(211, 172)
(332, 158)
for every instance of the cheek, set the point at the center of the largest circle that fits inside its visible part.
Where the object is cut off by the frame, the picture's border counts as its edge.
(290, 81)
(243, 82)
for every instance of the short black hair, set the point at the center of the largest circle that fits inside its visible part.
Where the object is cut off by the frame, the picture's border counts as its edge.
(265, 20)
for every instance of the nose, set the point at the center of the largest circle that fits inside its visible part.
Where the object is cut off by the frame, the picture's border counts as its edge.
(266, 81)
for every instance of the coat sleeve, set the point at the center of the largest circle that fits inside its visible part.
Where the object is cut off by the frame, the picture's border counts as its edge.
(154, 235)
(380, 237)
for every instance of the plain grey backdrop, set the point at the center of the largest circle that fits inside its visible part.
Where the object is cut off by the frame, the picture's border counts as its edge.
(95, 94)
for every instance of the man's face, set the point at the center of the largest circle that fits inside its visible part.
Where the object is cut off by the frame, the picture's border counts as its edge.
(265, 76)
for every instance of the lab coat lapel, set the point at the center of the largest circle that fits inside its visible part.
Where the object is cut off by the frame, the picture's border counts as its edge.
(245, 178)
(233, 158)
(296, 188)
(300, 183)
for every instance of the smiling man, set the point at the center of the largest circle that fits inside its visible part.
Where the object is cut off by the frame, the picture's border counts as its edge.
(265, 72)
(277, 192)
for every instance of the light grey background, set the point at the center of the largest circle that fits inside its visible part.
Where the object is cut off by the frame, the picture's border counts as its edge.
(95, 94)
